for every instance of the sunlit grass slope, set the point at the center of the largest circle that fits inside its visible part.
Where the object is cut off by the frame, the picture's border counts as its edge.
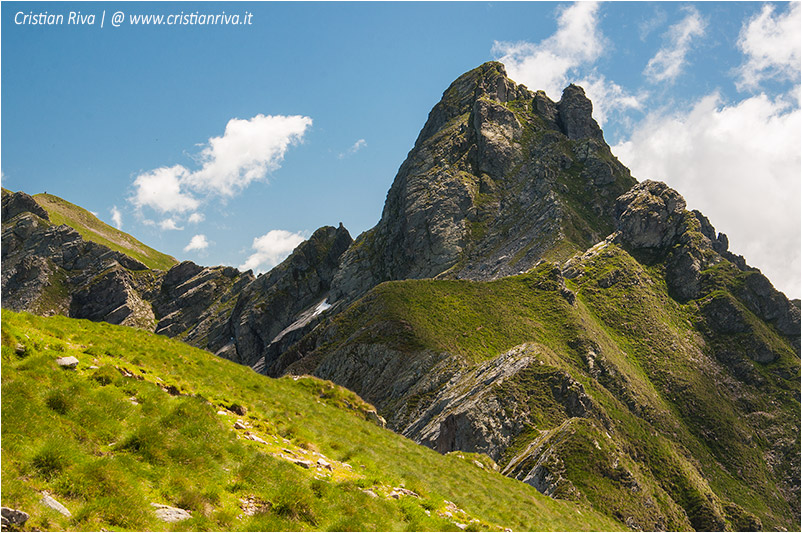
(144, 419)
(93, 229)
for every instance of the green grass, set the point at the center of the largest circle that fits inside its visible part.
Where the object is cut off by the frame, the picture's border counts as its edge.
(144, 427)
(691, 447)
(93, 229)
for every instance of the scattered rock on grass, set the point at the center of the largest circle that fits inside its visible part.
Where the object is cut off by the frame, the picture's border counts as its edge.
(166, 513)
(67, 362)
(370, 493)
(13, 517)
(254, 438)
(48, 501)
(301, 462)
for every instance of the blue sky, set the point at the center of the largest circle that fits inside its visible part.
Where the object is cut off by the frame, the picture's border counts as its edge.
(228, 144)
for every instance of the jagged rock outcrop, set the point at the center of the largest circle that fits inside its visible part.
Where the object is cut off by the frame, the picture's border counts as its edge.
(282, 305)
(49, 269)
(488, 188)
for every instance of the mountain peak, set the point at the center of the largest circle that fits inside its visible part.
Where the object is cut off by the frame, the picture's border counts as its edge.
(488, 80)
(499, 177)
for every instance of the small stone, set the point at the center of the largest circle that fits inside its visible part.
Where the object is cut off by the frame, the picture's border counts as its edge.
(255, 438)
(405, 492)
(13, 517)
(48, 501)
(239, 424)
(238, 409)
(323, 463)
(461, 526)
(302, 462)
(222, 413)
(370, 493)
(477, 463)
(394, 495)
(166, 513)
(67, 362)
(20, 350)
(93, 367)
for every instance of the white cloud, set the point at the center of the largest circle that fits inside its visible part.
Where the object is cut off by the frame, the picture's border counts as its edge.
(361, 143)
(117, 217)
(196, 218)
(667, 64)
(169, 224)
(608, 97)
(198, 242)
(270, 249)
(740, 165)
(247, 151)
(771, 45)
(161, 189)
(554, 63)
(549, 64)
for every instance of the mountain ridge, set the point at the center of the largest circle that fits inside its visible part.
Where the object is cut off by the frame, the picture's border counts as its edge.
(522, 296)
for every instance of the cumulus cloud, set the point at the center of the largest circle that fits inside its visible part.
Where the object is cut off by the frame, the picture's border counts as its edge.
(161, 189)
(668, 62)
(361, 143)
(169, 224)
(196, 218)
(247, 151)
(197, 243)
(548, 64)
(740, 165)
(771, 44)
(270, 249)
(117, 217)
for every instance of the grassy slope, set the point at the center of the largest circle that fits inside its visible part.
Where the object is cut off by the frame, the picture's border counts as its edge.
(93, 229)
(79, 435)
(665, 411)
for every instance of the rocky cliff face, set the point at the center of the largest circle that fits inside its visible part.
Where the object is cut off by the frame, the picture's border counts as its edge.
(499, 178)
(49, 269)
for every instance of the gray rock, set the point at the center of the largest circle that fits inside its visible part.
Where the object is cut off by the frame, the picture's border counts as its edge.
(13, 517)
(49, 501)
(165, 513)
(67, 362)
(575, 115)
(650, 215)
(19, 202)
(480, 196)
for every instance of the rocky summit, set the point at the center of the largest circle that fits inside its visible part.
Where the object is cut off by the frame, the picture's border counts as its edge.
(522, 297)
